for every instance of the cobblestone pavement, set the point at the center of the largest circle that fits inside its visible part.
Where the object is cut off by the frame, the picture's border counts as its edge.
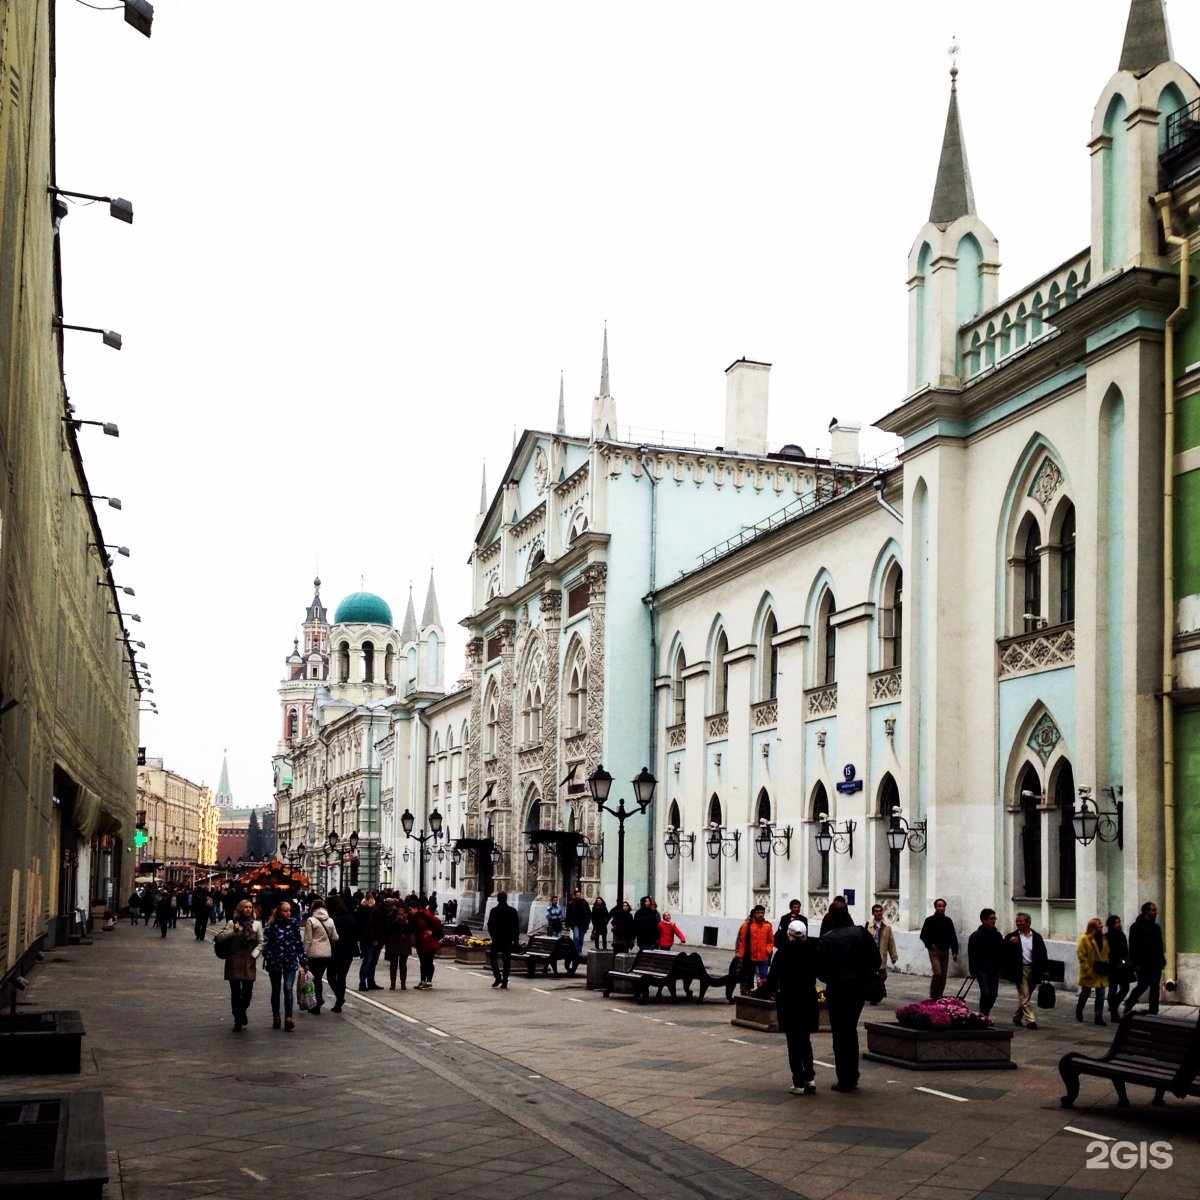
(546, 1089)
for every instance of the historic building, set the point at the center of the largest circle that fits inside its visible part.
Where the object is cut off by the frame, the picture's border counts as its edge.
(352, 745)
(69, 683)
(180, 820)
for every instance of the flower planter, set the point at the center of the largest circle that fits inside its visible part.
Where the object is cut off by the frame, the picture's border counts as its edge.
(940, 1049)
(753, 1013)
(447, 952)
(472, 956)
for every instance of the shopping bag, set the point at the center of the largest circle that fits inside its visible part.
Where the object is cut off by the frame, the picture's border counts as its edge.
(306, 990)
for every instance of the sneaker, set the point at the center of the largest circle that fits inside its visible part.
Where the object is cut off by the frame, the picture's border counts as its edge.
(810, 1089)
(1017, 1019)
(1031, 1025)
(797, 1090)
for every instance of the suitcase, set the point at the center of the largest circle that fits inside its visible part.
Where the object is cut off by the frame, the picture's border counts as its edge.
(965, 988)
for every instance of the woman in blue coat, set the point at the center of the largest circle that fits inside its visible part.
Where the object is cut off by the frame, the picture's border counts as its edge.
(283, 953)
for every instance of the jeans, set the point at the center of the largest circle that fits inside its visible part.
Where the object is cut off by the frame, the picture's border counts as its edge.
(1081, 1003)
(601, 936)
(989, 989)
(501, 955)
(287, 981)
(367, 964)
(577, 932)
(201, 923)
(339, 970)
(426, 957)
(318, 967)
(1146, 981)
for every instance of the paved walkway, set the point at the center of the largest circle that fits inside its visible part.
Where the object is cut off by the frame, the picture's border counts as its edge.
(548, 1090)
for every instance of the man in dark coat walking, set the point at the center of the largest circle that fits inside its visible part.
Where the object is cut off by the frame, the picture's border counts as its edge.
(846, 958)
(579, 920)
(1147, 955)
(941, 940)
(985, 959)
(504, 928)
(645, 925)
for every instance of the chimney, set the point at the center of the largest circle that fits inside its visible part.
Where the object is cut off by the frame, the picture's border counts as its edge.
(844, 452)
(746, 407)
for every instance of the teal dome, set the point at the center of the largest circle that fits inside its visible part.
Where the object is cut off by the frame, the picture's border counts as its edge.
(363, 608)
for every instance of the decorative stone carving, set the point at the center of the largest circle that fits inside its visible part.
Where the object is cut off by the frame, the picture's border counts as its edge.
(1043, 737)
(885, 686)
(672, 899)
(822, 701)
(676, 736)
(818, 906)
(541, 470)
(1046, 482)
(718, 726)
(595, 575)
(766, 714)
(714, 902)
(1037, 651)
(820, 739)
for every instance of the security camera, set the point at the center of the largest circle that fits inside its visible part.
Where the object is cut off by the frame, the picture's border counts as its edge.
(20, 983)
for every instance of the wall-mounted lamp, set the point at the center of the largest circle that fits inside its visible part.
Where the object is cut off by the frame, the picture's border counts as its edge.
(109, 427)
(123, 551)
(124, 637)
(495, 854)
(117, 207)
(720, 841)
(127, 590)
(110, 337)
(678, 844)
(901, 833)
(770, 841)
(832, 837)
(1091, 822)
(112, 612)
(113, 502)
(531, 854)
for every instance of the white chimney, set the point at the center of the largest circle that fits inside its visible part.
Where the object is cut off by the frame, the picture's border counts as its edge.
(844, 452)
(746, 385)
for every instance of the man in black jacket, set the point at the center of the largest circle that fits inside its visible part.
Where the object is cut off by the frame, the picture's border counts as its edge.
(941, 940)
(846, 957)
(1026, 963)
(1147, 956)
(504, 928)
(645, 924)
(579, 920)
(985, 959)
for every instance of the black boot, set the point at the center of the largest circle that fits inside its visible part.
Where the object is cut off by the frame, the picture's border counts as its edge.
(1079, 1007)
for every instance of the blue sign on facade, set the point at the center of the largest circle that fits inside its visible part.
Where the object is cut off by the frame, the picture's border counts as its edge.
(849, 784)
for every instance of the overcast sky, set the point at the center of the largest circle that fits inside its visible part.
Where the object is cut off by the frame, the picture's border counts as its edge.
(368, 238)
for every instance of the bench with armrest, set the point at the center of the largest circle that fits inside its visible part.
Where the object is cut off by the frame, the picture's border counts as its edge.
(547, 950)
(1153, 1051)
(698, 973)
(655, 969)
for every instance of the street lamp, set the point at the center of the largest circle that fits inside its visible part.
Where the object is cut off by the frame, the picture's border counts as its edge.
(600, 784)
(679, 844)
(722, 842)
(770, 841)
(331, 847)
(830, 836)
(1091, 822)
(407, 821)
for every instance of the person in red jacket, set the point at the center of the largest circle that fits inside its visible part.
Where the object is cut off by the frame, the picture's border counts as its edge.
(427, 927)
(668, 932)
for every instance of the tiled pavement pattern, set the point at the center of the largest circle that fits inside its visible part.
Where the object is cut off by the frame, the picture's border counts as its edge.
(548, 1090)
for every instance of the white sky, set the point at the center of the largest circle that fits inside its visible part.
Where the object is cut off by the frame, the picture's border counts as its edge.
(369, 236)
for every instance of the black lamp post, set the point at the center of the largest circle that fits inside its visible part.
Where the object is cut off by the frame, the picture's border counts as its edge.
(407, 821)
(333, 845)
(600, 784)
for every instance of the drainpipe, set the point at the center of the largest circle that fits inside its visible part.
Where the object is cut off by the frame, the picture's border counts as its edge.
(877, 484)
(653, 751)
(1163, 200)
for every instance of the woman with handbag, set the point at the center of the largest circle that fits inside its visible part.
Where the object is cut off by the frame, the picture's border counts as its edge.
(244, 933)
(1092, 952)
(283, 952)
(1120, 972)
(320, 933)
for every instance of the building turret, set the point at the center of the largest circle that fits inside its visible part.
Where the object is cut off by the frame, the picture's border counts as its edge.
(953, 267)
(604, 407)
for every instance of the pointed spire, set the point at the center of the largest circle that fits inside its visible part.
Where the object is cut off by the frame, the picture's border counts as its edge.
(1147, 38)
(224, 797)
(604, 364)
(483, 490)
(409, 632)
(561, 426)
(431, 616)
(952, 194)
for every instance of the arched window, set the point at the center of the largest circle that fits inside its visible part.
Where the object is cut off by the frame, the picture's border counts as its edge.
(1029, 795)
(293, 723)
(577, 694)
(368, 653)
(1066, 567)
(344, 663)
(768, 658)
(890, 649)
(531, 715)
(1031, 569)
(389, 666)
(713, 865)
(720, 674)
(818, 873)
(827, 645)
(762, 866)
(887, 875)
(673, 822)
(1064, 803)
(678, 689)
(491, 734)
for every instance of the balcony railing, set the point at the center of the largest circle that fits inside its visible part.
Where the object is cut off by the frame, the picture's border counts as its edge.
(1042, 650)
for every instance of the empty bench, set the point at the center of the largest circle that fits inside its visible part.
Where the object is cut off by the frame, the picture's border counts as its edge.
(1152, 1051)
(547, 950)
(655, 969)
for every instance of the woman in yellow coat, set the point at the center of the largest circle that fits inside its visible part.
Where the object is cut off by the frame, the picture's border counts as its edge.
(1092, 952)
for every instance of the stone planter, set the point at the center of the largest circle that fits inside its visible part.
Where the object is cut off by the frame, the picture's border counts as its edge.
(47, 1043)
(600, 962)
(940, 1050)
(753, 1013)
(472, 956)
(447, 952)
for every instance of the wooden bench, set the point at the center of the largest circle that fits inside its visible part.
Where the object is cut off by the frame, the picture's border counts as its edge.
(658, 969)
(698, 973)
(547, 950)
(1153, 1051)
